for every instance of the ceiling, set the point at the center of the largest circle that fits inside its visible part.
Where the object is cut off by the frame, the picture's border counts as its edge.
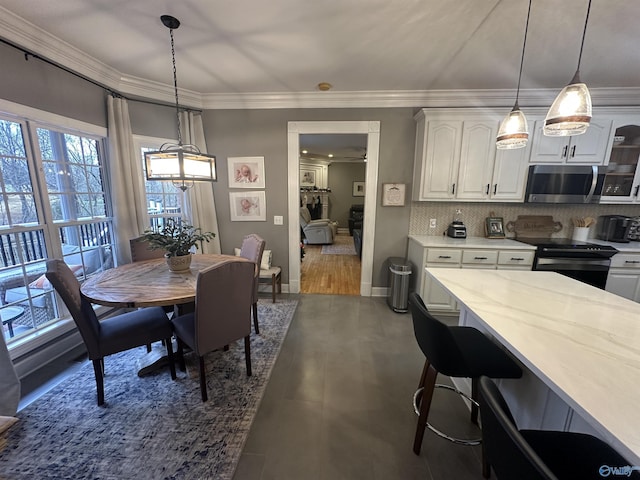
(289, 46)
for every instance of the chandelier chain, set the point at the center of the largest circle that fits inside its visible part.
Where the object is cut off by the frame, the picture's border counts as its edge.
(175, 87)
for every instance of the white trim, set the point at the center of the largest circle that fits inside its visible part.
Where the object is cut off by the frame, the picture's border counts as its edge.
(50, 119)
(372, 130)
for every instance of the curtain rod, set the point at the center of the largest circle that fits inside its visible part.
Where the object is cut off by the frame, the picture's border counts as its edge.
(111, 91)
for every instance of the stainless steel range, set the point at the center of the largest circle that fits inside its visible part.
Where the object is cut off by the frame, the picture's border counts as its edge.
(584, 261)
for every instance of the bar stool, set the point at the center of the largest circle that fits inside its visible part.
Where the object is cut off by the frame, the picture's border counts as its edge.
(541, 454)
(455, 352)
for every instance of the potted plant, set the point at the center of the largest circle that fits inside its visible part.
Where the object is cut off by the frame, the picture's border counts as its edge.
(178, 239)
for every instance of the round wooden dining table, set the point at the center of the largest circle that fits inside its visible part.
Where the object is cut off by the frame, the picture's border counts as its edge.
(149, 283)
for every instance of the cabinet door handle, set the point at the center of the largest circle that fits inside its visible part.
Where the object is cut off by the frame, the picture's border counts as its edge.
(495, 188)
(480, 258)
(488, 186)
(564, 151)
(632, 261)
(636, 193)
(453, 189)
(444, 256)
(517, 259)
(573, 151)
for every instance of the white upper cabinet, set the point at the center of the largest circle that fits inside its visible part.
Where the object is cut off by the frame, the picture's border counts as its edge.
(456, 159)
(590, 148)
(622, 180)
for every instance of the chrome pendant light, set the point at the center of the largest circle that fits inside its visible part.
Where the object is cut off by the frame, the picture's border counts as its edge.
(514, 131)
(179, 163)
(570, 113)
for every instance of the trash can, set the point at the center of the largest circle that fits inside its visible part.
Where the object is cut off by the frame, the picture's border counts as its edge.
(399, 277)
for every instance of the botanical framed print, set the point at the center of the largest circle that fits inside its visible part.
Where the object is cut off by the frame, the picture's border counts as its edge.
(494, 227)
(358, 189)
(248, 206)
(393, 194)
(307, 178)
(246, 172)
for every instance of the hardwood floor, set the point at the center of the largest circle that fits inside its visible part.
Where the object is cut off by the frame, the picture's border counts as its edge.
(329, 274)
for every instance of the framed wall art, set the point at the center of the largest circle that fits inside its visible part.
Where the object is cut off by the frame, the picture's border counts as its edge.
(494, 227)
(307, 178)
(393, 194)
(358, 189)
(246, 172)
(248, 206)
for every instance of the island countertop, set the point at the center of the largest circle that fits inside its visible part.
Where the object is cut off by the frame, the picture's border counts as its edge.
(582, 342)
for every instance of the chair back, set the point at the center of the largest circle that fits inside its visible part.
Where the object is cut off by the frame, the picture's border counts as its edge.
(140, 250)
(305, 217)
(435, 340)
(505, 448)
(252, 249)
(68, 287)
(223, 305)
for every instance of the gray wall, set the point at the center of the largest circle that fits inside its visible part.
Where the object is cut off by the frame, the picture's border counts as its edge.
(341, 178)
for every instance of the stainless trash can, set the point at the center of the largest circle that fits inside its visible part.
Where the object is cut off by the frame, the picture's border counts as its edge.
(399, 277)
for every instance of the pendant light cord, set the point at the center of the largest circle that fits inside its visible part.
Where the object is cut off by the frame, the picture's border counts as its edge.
(175, 86)
(584, 34)
(524, 45)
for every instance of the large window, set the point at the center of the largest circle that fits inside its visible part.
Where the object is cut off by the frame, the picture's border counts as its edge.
(53, 203)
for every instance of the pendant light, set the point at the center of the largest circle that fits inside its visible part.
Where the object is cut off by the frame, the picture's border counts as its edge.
(179, 163)
(570, 113)
(514, 131)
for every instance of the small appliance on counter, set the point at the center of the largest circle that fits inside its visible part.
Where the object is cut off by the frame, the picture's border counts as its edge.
(613, 228)
(457, 229)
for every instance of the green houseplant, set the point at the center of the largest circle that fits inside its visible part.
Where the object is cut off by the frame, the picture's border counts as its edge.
(177, 239)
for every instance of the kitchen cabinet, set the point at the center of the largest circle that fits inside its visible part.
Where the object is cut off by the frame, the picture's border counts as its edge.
(624, 276)
(590, 148)
(622, 179)
(474, 252)
(456, 159)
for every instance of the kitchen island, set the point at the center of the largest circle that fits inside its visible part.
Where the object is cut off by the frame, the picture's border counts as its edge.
(579, 346)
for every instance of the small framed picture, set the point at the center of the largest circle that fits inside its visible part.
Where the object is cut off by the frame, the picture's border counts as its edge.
(494, 227)
(248, 206)
(393, 194)
(307, 178)
(246, 172)
(358, 189)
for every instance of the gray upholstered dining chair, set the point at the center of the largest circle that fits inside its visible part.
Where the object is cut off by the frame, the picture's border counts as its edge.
(252, 248)
(222, 314)
(113, 334)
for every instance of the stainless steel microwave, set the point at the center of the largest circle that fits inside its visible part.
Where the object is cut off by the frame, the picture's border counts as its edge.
(564, 184)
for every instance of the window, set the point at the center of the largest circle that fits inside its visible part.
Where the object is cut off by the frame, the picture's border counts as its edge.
(53, 203)
(163, 199)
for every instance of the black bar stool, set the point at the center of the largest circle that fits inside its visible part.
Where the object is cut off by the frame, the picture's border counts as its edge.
(455, 352)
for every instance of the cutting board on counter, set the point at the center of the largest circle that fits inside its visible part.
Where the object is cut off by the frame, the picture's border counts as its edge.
(534, 226)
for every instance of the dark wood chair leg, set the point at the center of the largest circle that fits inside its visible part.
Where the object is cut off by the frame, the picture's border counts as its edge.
(486, 468)
(425, 404)
(247, 354)
(183, 367)
(255, 318)
(273, 287)
(474, 395)
(98, 368)
(203, 380)
(148, 347)
(172, 365)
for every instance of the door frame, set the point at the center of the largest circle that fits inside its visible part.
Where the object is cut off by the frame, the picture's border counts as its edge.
(372, 130)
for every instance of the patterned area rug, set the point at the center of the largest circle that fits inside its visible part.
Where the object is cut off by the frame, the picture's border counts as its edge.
(151, 427)
(342, 245)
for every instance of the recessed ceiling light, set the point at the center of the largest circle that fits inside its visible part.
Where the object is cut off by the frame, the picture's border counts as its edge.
(324, 86)
(304, 151)
(330, 155)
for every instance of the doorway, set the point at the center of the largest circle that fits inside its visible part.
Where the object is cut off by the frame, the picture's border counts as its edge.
(295, 129)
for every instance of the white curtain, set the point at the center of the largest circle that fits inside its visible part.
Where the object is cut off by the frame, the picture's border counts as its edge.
(200, 207)
(9, 383)
(127, 185)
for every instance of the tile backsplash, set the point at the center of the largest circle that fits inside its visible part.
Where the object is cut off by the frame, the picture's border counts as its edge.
(473, 215)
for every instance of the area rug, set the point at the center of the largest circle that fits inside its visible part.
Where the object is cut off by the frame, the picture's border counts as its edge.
(342, 245)
(150, 427)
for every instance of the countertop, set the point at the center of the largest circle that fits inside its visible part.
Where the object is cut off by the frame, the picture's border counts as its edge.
(583, 342)
(470, 242)
(631, 247)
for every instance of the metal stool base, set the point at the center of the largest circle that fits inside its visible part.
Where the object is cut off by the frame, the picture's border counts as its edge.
(458, 441)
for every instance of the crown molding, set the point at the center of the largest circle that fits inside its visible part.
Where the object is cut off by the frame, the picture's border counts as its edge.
(38, 41)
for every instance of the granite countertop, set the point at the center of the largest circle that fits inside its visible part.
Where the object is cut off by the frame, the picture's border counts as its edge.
(583, 342)
(470, 242)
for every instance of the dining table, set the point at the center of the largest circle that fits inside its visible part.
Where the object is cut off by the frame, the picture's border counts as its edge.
(149, 283)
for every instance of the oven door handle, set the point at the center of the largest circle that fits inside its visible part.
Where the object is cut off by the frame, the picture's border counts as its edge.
(594, 183)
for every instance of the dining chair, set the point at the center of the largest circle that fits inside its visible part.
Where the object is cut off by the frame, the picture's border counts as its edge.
(252, 248)
(454, 351)
(113, 334)
(222, 314)
(539, 454)
(140, 250)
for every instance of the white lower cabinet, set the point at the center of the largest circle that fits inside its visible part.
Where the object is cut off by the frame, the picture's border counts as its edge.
(434, 296)
(624, 276)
